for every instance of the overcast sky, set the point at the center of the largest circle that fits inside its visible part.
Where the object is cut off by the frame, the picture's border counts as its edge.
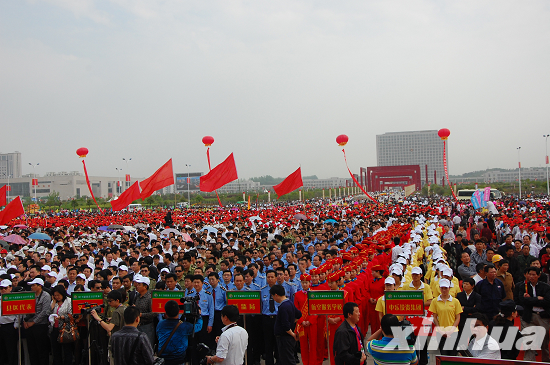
(272, 81)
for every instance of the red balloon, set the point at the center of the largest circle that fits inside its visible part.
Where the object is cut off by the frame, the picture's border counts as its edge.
(208, 140)
(82, 152)
(342, 140)
(444, 133)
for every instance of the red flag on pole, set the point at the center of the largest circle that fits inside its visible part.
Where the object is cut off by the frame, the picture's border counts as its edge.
(291, 183)
(126, 198)
(3, 195)
(220, 175)
(13, 210)
(162, 178)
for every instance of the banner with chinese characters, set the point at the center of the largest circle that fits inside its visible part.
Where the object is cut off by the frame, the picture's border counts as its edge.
(161, 297)
(18, 303)
(405, 302)
(80, 299)
(325, 302)
(248, 302)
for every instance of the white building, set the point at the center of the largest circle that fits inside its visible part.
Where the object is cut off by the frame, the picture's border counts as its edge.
(423, 148)
(10, 165)
(532, 173)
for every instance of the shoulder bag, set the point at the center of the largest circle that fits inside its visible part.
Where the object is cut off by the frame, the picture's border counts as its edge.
(159, 360)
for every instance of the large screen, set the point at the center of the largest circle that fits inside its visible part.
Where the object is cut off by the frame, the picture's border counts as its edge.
(194, 181)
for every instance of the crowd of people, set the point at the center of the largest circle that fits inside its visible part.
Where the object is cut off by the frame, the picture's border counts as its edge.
(490, 268)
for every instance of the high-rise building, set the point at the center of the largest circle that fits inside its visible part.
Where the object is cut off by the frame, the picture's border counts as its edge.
(10, 165)
(423, 148)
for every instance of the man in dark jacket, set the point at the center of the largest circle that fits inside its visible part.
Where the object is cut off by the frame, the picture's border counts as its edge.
(348, 340)
(130, 346)
(492, 292)
(534, 297)
(285, 324)
(469, 300)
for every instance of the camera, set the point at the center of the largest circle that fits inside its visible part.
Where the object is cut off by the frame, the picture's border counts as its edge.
(190, 308)
(87, 309)
(411, 338)
(204, 351)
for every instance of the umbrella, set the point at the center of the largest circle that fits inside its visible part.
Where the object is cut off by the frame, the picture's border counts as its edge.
(129, 228)
(21, 226)
(209, 229)
(255, 218)
(170, 230)
(40, 236)
(300, 216)
(330, 221)
(140, 225)
(13, 238)
(186, 237)
(115, 226)
(4, 244)
(106, 229)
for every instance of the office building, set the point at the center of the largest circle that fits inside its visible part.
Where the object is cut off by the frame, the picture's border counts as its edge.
(423, 148)
(10, 165)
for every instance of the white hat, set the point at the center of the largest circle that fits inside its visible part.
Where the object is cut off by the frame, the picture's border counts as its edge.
(123, 267)
(389, 280)
(37, 281)
(444, 283)
(447, 272)
(25, 248)
(82, 276)
(416, 270)
(397, 271)
(142, 279)
(5, 283)
(402, 260)
(53, 274)
(46, 268)
(165, 270)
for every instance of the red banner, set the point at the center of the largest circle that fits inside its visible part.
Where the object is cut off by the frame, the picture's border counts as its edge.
(248, 302)
(128, 178)
(34, 182)
(325, 302)
(78, 300)
(161, 297)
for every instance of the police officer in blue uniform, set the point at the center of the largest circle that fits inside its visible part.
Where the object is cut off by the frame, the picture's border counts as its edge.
(220, 301)
(269, 314)
(206, 304)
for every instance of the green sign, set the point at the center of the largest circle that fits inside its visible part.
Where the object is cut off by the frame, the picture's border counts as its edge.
(329, 294)
(325, 302)
(243, 295)
(405, 302)
(18, 296)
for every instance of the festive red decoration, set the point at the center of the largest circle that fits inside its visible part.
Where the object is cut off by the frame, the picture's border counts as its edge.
(220, 175)
(3, 195)
(82, 152)
(131, 194)
(342, 140)
(13, 210)
(162, 178)
(208, 140)
(291, 183)
(444, 133)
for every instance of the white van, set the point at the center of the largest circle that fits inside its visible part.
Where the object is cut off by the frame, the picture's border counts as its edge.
(134, 207)
(466, 194)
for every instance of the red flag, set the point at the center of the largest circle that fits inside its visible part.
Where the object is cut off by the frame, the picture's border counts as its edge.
(162, 178)
(291, 183)
(220, 175)
(126, 198)
(13, 210)
(3, 195)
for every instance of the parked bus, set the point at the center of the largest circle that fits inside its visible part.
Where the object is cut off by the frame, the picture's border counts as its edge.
(466, 194)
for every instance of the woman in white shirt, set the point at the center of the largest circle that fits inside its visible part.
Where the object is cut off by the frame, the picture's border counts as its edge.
(60, 312)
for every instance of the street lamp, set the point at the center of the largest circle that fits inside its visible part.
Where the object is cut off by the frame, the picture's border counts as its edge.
(547, 185)
(34, 177)
(188, 185)
(127, 183)
(519, 171)
(122, 175)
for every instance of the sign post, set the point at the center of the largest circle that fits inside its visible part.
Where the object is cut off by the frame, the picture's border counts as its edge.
(18, 304)
(248, 302)
(325, 302)
(161, 297)
(405, 302)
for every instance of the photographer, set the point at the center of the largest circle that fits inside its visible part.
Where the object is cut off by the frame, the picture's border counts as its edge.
(233, 341)
(173, 335)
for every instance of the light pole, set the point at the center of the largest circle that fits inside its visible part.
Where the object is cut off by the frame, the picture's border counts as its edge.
(188, 185)
(127, 183)
(519, 172)
(547, 185)
(34, 174)
(122, 175)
